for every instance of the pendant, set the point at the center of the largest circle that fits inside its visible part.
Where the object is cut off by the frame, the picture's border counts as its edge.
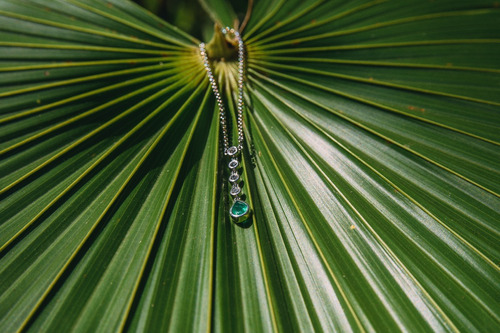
(240, 211)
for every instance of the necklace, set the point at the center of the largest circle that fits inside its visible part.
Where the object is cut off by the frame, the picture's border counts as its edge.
(240, 210)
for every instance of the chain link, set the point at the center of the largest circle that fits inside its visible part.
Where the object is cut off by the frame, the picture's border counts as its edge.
(215, 88)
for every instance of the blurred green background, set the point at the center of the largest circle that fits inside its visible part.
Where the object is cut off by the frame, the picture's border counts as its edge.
(188, 15)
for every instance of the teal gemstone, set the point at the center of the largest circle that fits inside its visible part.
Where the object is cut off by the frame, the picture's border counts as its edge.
(239, 210)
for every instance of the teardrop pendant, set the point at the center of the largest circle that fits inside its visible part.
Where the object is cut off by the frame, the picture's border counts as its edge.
(240, 211)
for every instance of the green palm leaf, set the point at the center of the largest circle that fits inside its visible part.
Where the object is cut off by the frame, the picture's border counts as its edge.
(373, 170)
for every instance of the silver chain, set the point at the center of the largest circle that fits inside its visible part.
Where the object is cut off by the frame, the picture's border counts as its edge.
(240, 210)
(222, 111)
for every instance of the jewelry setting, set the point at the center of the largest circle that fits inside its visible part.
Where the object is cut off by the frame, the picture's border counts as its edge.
(240, 210)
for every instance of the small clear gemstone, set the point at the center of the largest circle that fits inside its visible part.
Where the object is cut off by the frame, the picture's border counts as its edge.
(235, 190)
(233, 164)
(234, 177)
(231, 151)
